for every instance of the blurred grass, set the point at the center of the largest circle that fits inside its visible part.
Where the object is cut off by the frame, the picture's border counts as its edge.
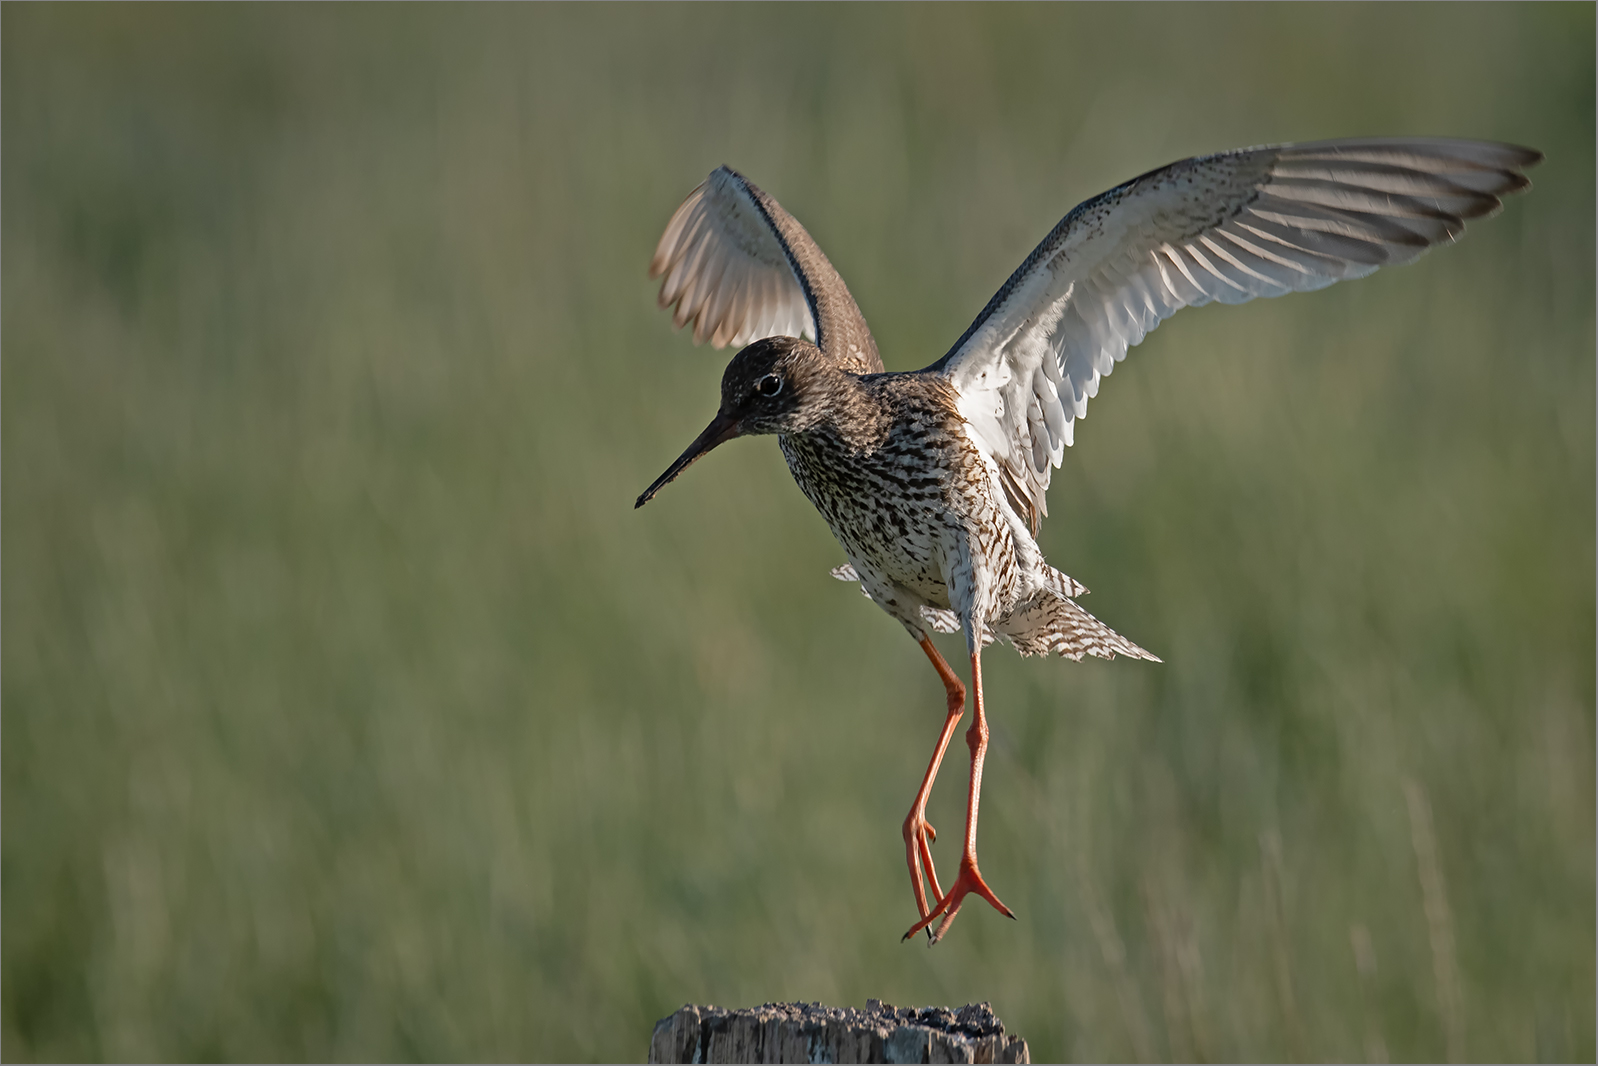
(350, 712)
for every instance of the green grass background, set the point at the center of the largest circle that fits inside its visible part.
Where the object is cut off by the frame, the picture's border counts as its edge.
(351, 712)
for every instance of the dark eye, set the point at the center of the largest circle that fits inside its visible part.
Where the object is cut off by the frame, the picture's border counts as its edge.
(769, 385)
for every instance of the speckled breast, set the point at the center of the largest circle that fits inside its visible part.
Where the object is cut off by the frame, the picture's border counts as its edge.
(894, 503)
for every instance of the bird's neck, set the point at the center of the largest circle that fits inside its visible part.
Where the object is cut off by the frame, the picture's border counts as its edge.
(854, 414)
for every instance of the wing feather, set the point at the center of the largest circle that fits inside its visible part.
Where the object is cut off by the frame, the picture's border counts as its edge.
(1228, 228)
(739, 268)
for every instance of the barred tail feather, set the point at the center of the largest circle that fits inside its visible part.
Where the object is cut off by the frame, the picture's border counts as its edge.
(1051, 624)
(1064, 584)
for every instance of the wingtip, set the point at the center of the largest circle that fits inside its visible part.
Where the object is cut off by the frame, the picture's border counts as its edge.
(1530, 157)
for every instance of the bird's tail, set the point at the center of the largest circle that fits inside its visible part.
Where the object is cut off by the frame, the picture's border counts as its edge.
(1052, 622)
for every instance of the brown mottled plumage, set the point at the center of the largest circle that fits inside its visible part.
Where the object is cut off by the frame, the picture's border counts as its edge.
(934, 481)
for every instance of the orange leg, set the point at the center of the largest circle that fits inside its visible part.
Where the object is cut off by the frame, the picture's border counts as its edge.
(970, 878)
(918, 833)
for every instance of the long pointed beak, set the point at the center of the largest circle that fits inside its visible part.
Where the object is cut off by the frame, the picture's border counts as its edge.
(720, 430)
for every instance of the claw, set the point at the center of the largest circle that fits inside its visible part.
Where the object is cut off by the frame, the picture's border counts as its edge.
(970, 880)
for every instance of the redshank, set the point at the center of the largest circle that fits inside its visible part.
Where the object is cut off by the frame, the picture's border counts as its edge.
(934, 480)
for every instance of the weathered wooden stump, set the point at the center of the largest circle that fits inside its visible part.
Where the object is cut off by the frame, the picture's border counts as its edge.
(809, 1032)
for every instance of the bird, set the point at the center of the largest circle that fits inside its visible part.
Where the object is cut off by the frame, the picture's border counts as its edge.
(934, 481)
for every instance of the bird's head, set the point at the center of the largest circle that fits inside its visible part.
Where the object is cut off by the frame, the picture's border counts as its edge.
(776, 385)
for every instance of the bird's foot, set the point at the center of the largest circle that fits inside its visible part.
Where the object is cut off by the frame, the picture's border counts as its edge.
(970, 880)
(918, 838)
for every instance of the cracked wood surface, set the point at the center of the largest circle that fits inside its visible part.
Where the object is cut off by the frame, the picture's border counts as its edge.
(809, 1032)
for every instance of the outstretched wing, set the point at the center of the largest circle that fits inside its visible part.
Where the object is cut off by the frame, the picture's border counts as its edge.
(1227, 227)
(740, 268)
